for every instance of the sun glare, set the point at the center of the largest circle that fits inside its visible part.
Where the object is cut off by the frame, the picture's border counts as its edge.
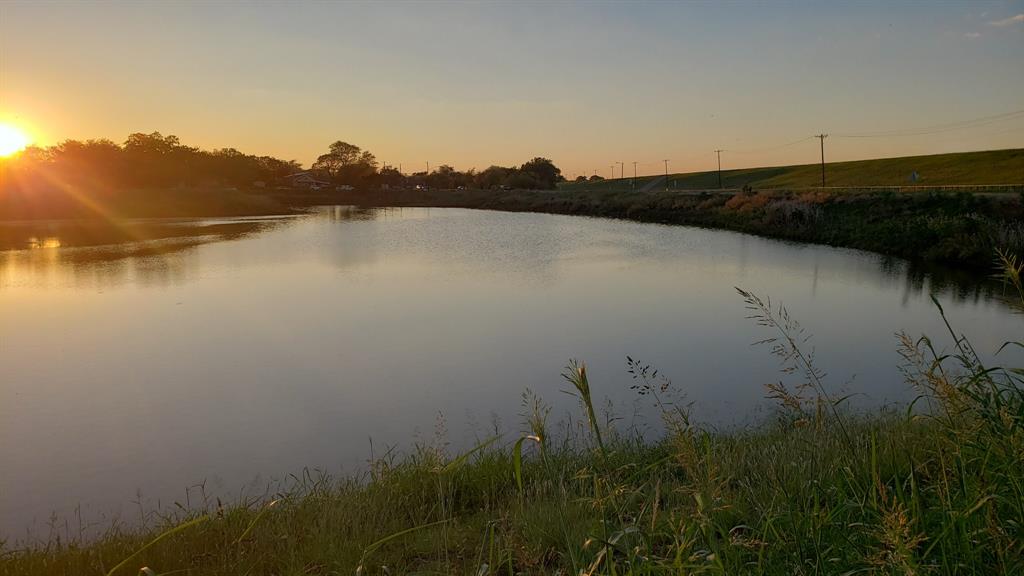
(12, 140)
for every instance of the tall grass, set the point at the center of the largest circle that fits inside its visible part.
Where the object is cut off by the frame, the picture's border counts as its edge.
(937, 488)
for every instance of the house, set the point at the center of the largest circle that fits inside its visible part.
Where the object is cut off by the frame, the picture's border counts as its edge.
(306, 179)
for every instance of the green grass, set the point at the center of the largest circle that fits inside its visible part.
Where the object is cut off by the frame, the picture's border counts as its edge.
(994, 167)
(937, 489)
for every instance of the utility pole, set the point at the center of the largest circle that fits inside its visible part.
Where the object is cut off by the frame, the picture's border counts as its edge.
(666, 174)
(399, 167)
(632, 183)
(719, 152)
(622, 170)
(428, 167)
(612, 168)
(822, 138)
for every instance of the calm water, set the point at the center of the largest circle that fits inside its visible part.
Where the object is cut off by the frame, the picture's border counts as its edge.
(236, 351)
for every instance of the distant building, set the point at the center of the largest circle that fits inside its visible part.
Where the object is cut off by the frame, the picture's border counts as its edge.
(306, 180)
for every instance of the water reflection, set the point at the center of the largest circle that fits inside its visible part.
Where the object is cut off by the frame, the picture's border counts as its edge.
(224, 350)
(962, 286)
(158, 252)
(49, 234)
(96, 254)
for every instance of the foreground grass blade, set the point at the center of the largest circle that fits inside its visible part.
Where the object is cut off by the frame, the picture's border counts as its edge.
(369, 549)
(454, 464)
(517, 459)
(249, 528)
(165, 534)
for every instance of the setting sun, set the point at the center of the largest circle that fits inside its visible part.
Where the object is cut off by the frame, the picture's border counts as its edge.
(12, 140)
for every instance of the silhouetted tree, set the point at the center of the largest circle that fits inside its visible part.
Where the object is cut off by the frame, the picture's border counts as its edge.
(492, 177)
(74, 174)
(524, 180)
(444, 177)
(347, 164)
(90, 162)
(543, 171)
(390, 176)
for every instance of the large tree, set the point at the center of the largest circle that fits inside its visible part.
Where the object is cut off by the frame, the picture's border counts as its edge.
(543, 171)
(492, 177)
(347, 163)
(444, 177)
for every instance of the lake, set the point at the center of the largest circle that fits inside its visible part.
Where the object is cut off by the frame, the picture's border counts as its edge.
(143, 359)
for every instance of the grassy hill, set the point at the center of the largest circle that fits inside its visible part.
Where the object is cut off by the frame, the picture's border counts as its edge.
(993, 167)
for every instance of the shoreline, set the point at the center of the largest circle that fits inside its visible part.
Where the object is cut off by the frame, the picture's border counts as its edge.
(959, 230)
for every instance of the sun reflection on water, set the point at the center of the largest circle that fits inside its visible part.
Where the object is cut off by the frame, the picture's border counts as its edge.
(35, 243)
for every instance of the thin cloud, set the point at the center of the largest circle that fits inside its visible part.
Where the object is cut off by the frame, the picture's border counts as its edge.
(973, 34)
(1018, 19)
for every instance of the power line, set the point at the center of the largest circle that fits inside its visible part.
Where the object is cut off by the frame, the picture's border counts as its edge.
(767, 148)
(936, 129)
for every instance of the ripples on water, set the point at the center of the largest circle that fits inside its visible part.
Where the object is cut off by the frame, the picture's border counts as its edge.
(153, 355)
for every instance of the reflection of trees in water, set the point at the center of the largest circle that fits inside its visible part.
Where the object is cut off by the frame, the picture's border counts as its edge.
(359, 213)
(75, 234)
(360, 245)
(163, 252)
(160, 263)
(347, 213)
(963, 286)
(151, 254)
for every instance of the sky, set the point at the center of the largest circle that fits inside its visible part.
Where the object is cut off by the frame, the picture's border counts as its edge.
(474, 84)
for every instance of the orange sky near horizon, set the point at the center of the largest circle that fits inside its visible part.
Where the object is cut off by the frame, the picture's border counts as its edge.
(471, 85)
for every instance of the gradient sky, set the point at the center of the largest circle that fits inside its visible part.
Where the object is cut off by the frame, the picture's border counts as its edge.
(478, 84)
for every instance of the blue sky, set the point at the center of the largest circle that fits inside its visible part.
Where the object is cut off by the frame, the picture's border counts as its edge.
(586, 84)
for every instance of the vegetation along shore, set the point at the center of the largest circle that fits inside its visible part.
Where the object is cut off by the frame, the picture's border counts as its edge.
(952, 228)
(959, 209)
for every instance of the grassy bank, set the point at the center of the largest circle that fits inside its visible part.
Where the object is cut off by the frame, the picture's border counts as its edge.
(986, 168)
(942, 220)
(952, 228)
(818, 490)
(959, 229)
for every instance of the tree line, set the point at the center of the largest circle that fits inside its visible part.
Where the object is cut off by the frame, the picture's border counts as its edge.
(158, 161)
(143, 161)
(348, 164)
